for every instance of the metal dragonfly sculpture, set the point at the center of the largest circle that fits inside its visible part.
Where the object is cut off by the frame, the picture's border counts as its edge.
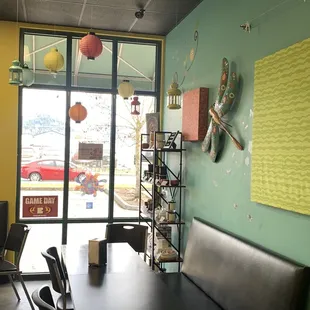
(227, 93)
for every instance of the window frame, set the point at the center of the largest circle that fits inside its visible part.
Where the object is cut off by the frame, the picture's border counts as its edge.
(68, 88)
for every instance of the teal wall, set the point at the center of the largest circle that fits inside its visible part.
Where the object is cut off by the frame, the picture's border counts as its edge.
(220, 193)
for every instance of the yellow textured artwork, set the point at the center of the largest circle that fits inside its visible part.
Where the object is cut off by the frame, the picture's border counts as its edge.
(281, 130)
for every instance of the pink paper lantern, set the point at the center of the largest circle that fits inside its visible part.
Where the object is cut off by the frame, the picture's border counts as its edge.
(91, 46)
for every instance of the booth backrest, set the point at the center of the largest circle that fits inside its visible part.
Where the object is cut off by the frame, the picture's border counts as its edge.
(240, 276)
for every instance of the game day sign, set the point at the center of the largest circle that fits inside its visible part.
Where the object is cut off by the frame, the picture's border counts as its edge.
(40, 206)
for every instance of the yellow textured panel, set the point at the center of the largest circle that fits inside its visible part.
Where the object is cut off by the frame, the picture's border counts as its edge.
(281, 129)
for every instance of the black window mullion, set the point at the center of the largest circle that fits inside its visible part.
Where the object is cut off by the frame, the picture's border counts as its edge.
(67, 141)
(113, 131)
(158, 75)
(19, 135)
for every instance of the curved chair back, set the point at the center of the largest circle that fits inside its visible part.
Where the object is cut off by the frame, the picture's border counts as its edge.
(43, 299)
(53, 252)
(57, 283)
(134, 234)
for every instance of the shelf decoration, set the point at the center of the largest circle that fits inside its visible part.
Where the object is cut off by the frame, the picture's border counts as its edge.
(227, 92)
(28, 76)
(125, 89)
(16, 73)
(152, 125)
(174, 92)
(158, 211)
(135, 106)
(78, 112)
(54, 61)
(170, 141)
(91, 46)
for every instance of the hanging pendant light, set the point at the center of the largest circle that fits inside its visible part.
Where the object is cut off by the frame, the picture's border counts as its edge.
(16, 73)
(174, 97)
(135, 106)
(54, 61)
(28, 76)
(91, 46)
(78, 112)
(125, 89)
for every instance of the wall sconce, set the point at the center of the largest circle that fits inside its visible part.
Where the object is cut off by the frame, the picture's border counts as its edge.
(125, 89)
(135, 106)
(174, 96)
(174, 93)
(78, 112)
(16, 73)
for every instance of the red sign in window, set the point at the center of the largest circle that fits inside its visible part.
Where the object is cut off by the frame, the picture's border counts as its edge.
(40, 206)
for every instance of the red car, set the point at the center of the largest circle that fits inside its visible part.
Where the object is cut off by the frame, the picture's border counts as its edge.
(50, 169)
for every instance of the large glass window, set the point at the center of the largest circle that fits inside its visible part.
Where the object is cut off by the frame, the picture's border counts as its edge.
(94, 74)
(75, 177)
(37, 49)
(137, 63)
(128, 135)
(89, 197)
(42, 153)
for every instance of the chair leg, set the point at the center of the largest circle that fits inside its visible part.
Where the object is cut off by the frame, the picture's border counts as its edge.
(26, 291)
(14, 287)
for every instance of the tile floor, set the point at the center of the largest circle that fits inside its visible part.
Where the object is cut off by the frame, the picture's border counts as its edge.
(8, 300)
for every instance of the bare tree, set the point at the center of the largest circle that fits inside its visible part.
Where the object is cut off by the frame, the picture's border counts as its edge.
(134, 126)
(128, 127)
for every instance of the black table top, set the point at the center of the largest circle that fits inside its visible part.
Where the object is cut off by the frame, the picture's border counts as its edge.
(126, 283)
(123, 291)
(120, 258)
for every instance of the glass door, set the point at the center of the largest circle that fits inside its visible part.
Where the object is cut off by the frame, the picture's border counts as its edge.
(42, 171)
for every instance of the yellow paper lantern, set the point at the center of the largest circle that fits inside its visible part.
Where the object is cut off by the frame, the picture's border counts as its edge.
(125, 89)
(54, 61)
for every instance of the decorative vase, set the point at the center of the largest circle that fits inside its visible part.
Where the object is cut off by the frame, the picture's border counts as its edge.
(171, 207)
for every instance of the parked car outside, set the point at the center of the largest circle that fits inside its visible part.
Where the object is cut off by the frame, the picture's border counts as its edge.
(51, 169)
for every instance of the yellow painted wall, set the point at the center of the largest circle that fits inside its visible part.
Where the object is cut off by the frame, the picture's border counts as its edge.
(8, 116)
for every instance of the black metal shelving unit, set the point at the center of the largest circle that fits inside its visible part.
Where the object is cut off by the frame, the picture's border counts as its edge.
(160, 152)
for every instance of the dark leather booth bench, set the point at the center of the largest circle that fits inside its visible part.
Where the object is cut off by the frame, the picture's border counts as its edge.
(221, 271)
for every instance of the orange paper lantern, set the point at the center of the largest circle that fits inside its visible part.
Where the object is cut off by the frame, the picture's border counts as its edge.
(91, 46)
(78, 112)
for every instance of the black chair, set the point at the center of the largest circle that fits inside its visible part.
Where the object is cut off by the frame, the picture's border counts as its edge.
(15, 242)
(43, 298)
(134, 234)
(59, 282)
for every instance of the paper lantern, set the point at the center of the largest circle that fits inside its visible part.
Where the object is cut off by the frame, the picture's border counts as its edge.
(78, 112)
(16, 73)
(54, 61)
(174, 97)
(91, 46)
(135, 106)
(28, 76)
(125, 89)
